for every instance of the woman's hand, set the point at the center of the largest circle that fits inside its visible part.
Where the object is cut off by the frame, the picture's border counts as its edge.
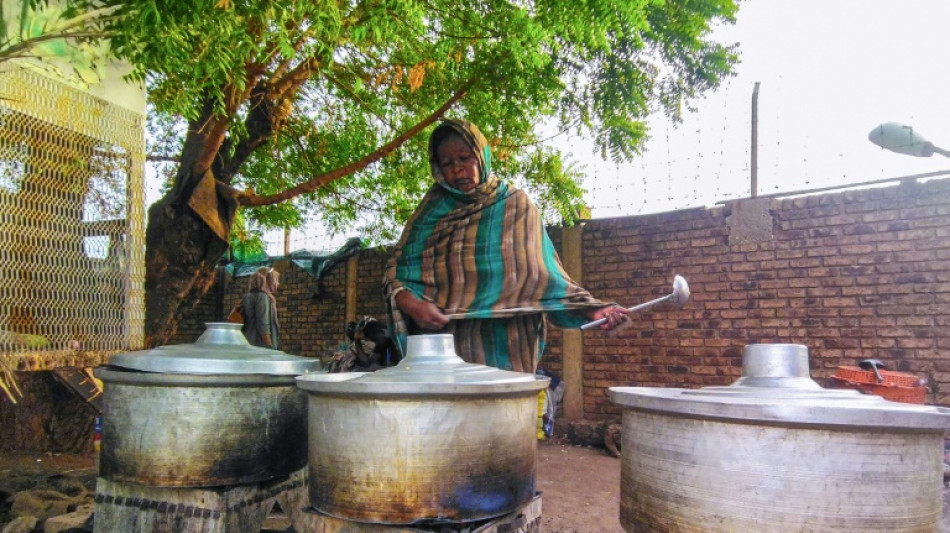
(425, 314)
(616, 316)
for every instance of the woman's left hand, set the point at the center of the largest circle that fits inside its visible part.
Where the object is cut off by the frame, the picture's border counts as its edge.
(616, 317)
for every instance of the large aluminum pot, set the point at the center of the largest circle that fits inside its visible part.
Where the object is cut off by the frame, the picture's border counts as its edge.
(214, 413)
(433, 439)
(775, 452)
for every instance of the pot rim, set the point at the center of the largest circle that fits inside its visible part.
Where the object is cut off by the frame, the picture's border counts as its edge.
(124, 376)
(848, 410)
(346, 383)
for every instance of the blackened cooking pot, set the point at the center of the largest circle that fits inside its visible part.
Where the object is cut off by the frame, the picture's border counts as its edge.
(433, 439)
(776, 453)
(214, 413)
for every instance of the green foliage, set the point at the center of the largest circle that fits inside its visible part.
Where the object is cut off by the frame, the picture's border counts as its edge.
(65, 40)
(374, 68)
(554, 186)
(247, 245)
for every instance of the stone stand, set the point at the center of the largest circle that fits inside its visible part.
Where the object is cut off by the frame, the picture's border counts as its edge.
(526, 519)
(131, 508)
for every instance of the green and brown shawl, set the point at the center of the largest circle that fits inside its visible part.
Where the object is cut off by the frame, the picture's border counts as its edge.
(485, 259)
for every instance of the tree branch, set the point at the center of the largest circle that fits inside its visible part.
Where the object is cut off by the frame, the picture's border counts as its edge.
(261, 119)
(295, 78)
(22, 49)
(250, 199)
(285, 64)
(214, 135)
(218, 126)
(192, 148)
(66, 31)
(158, 158)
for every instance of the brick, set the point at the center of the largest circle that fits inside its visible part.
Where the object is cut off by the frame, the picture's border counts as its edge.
(861, 249)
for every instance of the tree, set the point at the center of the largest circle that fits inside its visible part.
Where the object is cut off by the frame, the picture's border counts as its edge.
(319, 104)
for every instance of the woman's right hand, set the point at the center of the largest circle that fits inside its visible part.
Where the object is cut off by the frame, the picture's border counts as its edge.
(425, 314)
(617, 318)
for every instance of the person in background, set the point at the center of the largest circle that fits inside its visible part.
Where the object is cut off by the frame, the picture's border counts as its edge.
(475, 261)
(259, 306)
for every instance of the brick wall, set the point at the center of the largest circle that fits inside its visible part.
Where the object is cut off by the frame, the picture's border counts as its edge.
(852, 275)
(311, 312)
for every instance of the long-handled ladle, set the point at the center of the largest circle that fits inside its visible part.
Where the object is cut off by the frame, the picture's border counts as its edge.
(678, 297)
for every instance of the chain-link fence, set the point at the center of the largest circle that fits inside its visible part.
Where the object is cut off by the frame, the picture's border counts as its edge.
(71, 224)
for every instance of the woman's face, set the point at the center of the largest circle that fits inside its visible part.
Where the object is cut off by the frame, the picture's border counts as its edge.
(458, 163)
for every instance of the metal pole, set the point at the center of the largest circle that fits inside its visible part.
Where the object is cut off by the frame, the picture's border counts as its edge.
(755, 141)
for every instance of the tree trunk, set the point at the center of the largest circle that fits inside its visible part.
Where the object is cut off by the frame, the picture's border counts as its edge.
(186, 235)
(188, 229)
(49, 418)
(180, 259)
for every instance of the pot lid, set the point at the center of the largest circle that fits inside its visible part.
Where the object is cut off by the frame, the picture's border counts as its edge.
(431, 366)
(775, 387)
(221, 349)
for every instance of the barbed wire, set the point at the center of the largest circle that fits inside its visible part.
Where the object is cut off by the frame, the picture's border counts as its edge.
(706, 158)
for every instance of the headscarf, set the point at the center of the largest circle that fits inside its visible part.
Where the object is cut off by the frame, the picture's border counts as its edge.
(264, 280)
(484, 258)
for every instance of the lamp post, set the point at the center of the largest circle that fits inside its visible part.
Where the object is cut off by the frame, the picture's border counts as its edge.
(904, 140)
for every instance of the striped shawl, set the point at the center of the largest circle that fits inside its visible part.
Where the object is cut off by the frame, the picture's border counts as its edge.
(485, 259)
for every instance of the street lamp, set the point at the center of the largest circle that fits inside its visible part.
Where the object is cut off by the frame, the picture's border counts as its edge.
(904, 140)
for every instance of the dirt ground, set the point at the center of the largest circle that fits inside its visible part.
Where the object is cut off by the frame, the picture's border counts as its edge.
(580, 486)
(580, 489)
(40, 471)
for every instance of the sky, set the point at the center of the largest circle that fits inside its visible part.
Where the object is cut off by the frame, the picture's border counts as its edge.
(829, 72)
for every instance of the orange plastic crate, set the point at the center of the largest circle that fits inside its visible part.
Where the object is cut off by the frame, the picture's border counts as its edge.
(896, 387)
(859, 376)
(897, 394)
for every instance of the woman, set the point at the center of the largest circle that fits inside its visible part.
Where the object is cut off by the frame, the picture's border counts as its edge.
(475, 261)
(259, 306)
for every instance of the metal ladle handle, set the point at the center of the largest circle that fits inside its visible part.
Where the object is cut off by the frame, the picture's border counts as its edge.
(678, 297)
(873, 364)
